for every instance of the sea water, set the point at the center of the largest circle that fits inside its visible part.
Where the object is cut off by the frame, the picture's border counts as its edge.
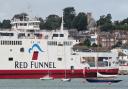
(58, 84)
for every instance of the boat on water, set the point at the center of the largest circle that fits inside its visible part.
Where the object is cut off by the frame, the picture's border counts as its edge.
(99, 75)
(30, 53)
(103, 80)
(66, 79)
(47, 77)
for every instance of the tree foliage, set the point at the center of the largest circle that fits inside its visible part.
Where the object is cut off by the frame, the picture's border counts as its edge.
(87, 43)
(6, 24)
(41, 23)
(69, 14)
(105, 22)
(80, 22)
(52, 22)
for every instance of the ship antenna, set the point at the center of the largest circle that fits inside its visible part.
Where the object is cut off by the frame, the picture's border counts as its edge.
(62, 25)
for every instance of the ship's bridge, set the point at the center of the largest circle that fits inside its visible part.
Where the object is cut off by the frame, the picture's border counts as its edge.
(25, 23)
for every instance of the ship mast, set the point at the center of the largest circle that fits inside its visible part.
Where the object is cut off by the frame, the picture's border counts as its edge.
(62, 25)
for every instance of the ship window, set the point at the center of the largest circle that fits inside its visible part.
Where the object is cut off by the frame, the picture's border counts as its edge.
(3, 42)
(12, 42)
(16, 42)
(6, 34)
(7, 42)
(59, 44)
(25, 24)
(19, 42)
(21, 49)
(10, 59)
(72, 67)
(61, 35)
(67, 43)
(52, 43)
(28, 34)
(55, 35)
(59, 59)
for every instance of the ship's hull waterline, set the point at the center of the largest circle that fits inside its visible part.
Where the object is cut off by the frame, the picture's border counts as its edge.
(36, 74)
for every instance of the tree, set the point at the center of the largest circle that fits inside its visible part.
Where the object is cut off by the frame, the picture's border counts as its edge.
(0, 25)
(6, 24)
(125, 21)
(52, 22)
(105, 22)
(87, 43)
(80, 22)
(101, 21)
(69, 15)
(41, 23)
(108, 18)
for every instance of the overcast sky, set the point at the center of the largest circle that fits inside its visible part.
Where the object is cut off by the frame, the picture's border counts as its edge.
(43, 8)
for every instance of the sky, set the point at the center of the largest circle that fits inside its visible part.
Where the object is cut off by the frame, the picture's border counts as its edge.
(43, 8)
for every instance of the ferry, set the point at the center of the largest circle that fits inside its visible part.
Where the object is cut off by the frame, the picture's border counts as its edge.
(27, 52)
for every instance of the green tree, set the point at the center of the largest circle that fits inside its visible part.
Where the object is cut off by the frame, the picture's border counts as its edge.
(105, 22)
(0, 25)
(87, 43)
(125, 21)
(69, 15)
(41, 23)
(108, 18)
(80, 21)
(101, 21)
(52, 22)
(6, 24)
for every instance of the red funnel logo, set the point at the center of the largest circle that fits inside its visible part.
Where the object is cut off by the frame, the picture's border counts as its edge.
(35, 55)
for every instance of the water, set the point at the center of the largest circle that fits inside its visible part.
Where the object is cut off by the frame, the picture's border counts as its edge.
(58, 84)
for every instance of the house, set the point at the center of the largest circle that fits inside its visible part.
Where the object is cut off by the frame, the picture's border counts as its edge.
(106, 39)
